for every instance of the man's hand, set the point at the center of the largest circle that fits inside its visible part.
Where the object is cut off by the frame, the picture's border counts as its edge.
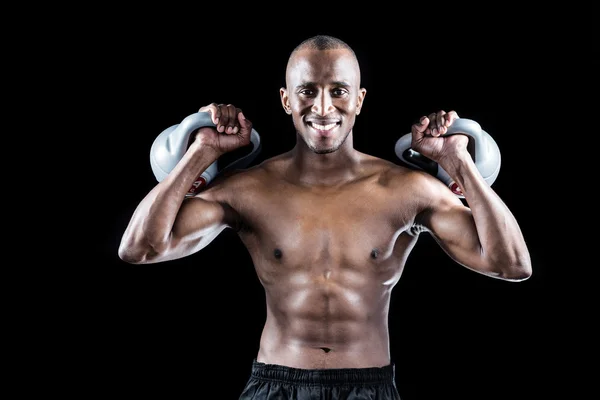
(428, 139)
(232, 132)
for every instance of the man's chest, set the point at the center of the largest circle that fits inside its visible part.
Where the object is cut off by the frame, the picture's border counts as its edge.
(325, 225)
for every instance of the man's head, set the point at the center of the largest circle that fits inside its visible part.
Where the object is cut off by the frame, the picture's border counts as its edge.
(323, 93)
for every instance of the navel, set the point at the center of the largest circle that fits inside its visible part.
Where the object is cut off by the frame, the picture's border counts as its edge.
(278, 254)
(326, 349)
(374, 253)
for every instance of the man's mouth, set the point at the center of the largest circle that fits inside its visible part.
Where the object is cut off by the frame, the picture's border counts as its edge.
(323, 129)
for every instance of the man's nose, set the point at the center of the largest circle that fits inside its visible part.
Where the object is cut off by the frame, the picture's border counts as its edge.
(323, 104)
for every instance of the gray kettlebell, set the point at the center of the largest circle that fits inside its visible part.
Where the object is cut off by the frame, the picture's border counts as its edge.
(485, 154)
(171, 144)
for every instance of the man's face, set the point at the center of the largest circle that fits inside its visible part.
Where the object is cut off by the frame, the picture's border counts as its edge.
(323, 96)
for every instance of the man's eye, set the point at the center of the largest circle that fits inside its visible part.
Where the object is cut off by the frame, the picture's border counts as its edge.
(306, 92)
(339, 92)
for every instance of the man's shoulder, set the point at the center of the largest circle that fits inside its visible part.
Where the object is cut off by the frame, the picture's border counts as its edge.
(247, 178)
(388, 172)
(403, 177)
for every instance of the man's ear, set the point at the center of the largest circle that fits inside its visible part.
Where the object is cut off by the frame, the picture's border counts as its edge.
(285, 100)
(359, 101)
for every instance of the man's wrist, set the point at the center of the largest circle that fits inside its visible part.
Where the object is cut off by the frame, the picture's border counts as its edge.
(458, 164)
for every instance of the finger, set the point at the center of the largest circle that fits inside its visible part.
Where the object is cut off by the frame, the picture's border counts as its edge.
(421, 126)
(441, 119)
(451, 116)
(432, 128)
(418, 129)
(213, 110)
(440, 122)
(231, 118)
(223, 117)
(245, 127)
(217, 114)
(236, 128)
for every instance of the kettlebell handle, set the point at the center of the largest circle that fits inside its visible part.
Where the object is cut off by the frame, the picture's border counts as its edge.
(484, 152)
(462, 126)
(470, 128)
(201, 119)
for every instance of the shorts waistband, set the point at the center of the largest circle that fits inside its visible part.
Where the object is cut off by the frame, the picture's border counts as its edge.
(337, 376)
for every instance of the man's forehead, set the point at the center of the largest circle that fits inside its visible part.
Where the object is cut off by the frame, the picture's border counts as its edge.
(338, 65)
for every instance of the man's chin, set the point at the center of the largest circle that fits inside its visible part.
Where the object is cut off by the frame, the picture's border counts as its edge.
(324, 146)
(324, 151)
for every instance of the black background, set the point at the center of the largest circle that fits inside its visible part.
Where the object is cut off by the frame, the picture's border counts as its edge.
(190, 328)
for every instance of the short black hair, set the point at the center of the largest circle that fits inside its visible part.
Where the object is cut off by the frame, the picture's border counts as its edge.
(323, 42)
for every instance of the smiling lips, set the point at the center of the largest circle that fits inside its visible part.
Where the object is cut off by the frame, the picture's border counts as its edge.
(324, 129)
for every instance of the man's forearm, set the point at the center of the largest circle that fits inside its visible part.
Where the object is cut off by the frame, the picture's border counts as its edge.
(153, 219)
(499, 233)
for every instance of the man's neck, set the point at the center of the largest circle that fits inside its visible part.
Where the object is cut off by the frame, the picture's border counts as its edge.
(329, 169)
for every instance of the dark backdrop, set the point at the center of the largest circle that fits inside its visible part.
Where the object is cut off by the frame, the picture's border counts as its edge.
(190, 328)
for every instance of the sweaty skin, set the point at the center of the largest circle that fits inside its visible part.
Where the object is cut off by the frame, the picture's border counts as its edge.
(328, 228)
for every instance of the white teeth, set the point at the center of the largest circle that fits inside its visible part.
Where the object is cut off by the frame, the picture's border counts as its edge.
(324, 127)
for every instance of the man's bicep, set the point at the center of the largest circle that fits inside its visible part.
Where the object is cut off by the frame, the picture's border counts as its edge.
(210, 209)
(199, 217)
(452, 226)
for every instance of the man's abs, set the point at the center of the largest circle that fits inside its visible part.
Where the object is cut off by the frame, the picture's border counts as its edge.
(321, 321)
(328, 259)
(328, 282)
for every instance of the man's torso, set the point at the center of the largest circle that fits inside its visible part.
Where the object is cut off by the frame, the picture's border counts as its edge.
(328, 258)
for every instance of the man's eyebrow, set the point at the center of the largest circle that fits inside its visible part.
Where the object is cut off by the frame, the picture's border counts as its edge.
(313, 84)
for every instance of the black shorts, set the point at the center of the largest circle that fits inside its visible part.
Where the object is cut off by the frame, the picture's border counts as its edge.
(270, 382)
